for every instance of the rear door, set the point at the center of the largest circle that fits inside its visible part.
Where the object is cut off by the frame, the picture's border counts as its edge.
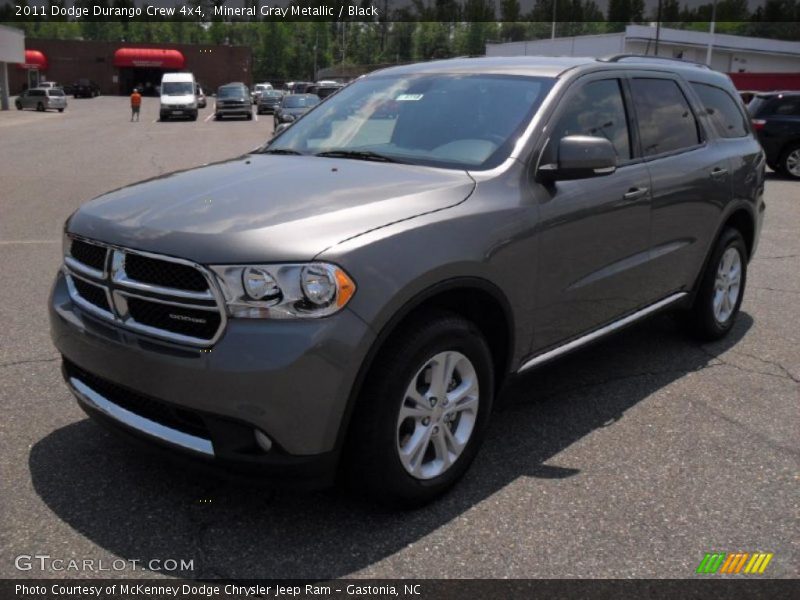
(594, 233)
(691, 179)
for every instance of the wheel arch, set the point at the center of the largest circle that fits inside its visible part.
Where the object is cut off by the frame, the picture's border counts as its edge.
(476, 299)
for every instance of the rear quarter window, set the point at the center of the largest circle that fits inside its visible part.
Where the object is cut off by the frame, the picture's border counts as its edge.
(722, 110)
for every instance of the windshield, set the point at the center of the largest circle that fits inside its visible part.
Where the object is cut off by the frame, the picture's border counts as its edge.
(270, 94)
(177, 88)
(231, 92)
(300, 101)
(454, 121)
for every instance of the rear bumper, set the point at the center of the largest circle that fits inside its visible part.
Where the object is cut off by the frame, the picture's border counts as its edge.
(290, 380)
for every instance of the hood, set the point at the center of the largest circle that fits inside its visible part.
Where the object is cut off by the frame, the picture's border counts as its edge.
(265, 208)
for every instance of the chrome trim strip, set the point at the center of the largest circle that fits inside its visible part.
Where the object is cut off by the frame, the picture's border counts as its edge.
(120, 276)
(85, 304)
(178, 438)
(590, 337)
(127, 294)
(86, 270)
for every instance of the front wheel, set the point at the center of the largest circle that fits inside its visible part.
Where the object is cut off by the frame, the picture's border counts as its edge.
(721, 289)
(40, 107)
(423, 412)
(60, 110)
(790, 162)
(18, 105)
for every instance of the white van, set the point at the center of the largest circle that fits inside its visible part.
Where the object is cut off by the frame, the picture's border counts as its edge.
(178, 96)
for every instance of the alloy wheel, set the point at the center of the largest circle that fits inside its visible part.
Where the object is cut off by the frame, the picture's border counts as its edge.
(727, 285)
(438, 415)
(793, 162)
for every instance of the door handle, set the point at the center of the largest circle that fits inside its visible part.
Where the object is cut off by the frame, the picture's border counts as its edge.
(634, 193)
(719, 173)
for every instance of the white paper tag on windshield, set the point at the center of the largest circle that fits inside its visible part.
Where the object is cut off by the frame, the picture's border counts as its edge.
(409, 97)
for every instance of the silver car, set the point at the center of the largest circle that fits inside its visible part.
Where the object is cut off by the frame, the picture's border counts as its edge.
(42, 99)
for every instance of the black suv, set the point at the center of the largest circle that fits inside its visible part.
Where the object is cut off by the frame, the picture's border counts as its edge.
(776, 120)
(85, 88)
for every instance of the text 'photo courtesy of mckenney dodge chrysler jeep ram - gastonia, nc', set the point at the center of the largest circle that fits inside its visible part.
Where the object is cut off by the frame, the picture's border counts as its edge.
(345, 302)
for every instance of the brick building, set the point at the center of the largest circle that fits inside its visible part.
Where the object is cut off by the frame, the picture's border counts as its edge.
(119, 66)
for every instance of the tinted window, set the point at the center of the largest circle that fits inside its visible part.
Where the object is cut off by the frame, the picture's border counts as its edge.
(55, 92)
(788, 106)
(300, 101)
(232, 92)
(177, 88)
(597, 110)
(721, 108)
(666, 122)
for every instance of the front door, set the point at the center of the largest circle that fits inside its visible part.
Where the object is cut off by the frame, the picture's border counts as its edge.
(594, 233)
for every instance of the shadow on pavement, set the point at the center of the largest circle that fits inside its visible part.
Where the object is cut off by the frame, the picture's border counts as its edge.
(136, 507)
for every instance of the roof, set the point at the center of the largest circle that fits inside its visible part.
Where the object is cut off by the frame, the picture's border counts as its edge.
(722, 41)
(550, 66)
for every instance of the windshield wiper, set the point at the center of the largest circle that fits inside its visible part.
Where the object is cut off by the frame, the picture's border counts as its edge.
(357, 154)
(279, 151)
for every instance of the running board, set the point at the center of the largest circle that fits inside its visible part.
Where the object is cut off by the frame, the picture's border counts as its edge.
(603, 331)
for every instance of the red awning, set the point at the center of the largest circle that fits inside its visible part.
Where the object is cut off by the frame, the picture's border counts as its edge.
(149, 57)
(34, 59)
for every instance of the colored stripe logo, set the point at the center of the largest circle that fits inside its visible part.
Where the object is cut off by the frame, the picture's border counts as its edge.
(734, 562)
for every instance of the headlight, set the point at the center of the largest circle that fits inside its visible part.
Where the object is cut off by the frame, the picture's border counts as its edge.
(287, 117)
(285, 291)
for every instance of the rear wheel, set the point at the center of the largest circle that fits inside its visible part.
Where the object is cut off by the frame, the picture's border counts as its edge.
(18, 104)
(722, 288)
(423, 411)
(790, 162)
(40, 107)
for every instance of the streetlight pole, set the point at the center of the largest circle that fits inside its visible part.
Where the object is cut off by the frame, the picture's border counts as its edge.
(711, 32)
(658, 27)
(553, 30)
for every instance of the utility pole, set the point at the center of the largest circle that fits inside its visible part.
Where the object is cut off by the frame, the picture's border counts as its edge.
(658, 26)
(553, 31)
(711, 32)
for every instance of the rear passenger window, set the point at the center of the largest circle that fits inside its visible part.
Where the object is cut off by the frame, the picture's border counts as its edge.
(596, 109)
(666, 122)
(788, 106)
(722, 110)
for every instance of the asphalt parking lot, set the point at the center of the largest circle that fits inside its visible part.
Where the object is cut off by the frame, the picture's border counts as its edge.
(631, 458)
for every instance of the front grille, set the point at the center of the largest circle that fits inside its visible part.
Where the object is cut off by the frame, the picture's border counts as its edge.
(89, 254)
(161, 412)
(177, 319)
(93, 294)
(159, 296)
(164, 273)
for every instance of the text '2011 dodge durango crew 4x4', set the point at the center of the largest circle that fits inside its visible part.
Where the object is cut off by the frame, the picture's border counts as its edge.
(354, 293)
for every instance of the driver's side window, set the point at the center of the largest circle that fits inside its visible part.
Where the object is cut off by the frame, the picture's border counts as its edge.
(597, 109)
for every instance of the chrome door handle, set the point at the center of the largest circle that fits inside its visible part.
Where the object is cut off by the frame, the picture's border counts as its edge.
(635, 193)
(719, 173)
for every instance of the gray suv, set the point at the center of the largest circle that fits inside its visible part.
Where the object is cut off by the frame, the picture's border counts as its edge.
(350, 298)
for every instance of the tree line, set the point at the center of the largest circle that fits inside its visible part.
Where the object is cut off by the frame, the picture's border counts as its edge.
(421, 30)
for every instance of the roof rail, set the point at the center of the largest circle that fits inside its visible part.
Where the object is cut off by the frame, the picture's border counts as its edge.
(646, 58)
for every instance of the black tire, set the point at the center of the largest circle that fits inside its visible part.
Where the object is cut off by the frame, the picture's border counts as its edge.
(193, 116)
(217, 117)
(372, 457)
(784, 166)
(18, 105)
(250, 116)
(60, 110)
(704, 324)
(40, 107)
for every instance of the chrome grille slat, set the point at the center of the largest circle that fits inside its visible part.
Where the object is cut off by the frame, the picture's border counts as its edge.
(119, 288)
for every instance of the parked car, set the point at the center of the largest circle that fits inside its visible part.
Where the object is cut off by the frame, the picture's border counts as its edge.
(294, 106)
(233, 99)
(257, 89)
(201, 97)
(323, 89)
(85, 88)
(178, 96)
(42, 99)
(365, 309)
(776, 120)
(296, 87)
(268, 101)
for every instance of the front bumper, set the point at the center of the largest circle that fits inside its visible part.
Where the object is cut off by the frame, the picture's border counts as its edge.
(244, 109)
(289, 379)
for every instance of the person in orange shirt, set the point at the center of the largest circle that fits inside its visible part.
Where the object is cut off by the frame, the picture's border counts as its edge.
(136, 104)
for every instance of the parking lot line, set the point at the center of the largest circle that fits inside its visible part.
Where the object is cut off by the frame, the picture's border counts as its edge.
(208, 118)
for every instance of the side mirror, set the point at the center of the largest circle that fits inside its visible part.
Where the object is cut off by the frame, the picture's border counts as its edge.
(581, 157)
(281, 128)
